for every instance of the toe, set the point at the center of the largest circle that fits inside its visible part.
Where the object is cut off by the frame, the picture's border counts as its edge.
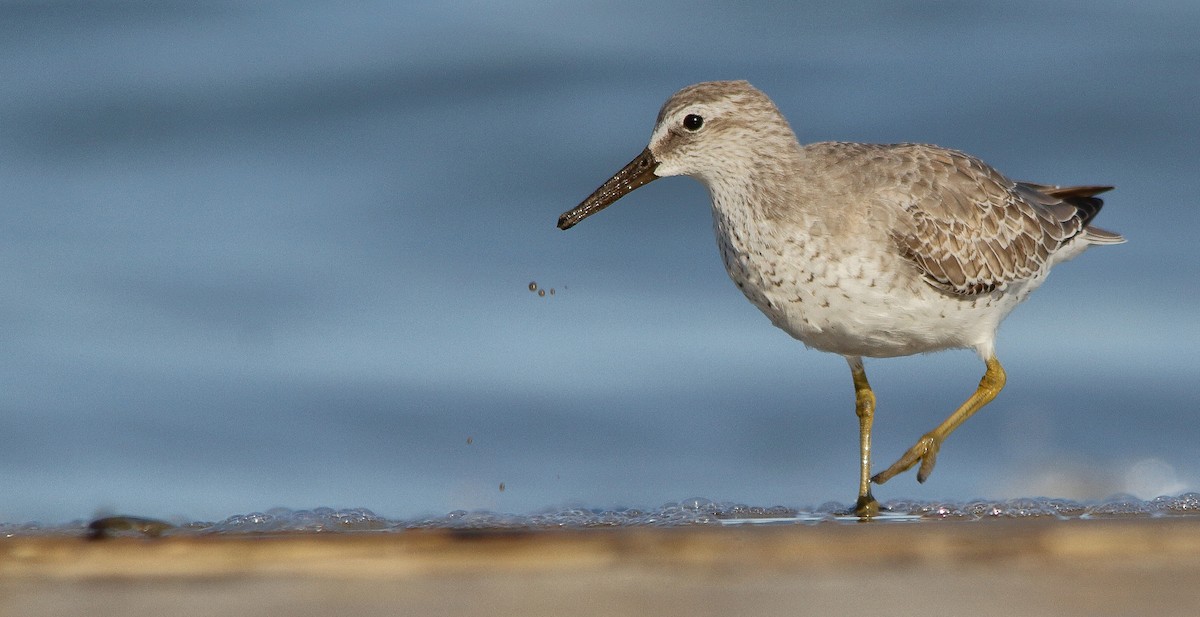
(924, 452)
(927, 463)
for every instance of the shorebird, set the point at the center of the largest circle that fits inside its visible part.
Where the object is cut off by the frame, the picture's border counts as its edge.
(863, 250)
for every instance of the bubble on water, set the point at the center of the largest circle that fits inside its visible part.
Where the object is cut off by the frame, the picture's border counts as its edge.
(689, 512)
(833, 507)
(1120, 506)
(315, 520)
(463, 519)
(1187, 503)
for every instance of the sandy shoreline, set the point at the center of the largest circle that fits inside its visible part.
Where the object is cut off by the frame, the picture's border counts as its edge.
(1003, 567)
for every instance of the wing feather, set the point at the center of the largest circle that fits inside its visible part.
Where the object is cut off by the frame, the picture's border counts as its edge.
(974, 231)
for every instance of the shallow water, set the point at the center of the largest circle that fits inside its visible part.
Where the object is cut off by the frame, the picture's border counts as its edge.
(690, 512)
(269, 254)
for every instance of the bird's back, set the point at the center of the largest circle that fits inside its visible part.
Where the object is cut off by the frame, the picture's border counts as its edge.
(967, 228)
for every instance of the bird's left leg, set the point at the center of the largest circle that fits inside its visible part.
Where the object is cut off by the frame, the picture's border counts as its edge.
(927, 447)
(864, 407)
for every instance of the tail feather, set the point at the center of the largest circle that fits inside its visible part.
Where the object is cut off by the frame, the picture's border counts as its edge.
(1095, 235)
(1082, 198)
(1087, 206)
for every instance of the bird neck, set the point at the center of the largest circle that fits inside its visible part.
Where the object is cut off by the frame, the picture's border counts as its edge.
(767, 190)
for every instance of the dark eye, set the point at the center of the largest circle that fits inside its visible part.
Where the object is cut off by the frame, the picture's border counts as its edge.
(692, 122)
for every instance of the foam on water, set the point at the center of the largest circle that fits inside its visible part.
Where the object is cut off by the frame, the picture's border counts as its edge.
(691, 512)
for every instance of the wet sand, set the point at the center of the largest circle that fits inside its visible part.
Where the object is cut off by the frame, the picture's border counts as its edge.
(1134, 566)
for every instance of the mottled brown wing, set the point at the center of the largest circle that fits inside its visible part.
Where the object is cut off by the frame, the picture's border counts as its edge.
(975, 231)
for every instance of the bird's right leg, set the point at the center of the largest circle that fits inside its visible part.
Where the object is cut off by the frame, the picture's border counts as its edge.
(864, 407)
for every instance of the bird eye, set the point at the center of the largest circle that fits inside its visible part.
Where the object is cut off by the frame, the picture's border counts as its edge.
(692, 122)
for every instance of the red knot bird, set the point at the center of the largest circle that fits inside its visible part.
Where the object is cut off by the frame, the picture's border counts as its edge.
(863, 249)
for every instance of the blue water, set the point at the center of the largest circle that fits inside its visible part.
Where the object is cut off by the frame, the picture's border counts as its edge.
(263, 255)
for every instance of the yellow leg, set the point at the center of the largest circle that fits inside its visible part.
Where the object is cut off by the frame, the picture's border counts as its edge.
(927, 447)
(864, 406)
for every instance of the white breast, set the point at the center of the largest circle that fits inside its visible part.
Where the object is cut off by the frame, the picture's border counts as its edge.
(850, 299)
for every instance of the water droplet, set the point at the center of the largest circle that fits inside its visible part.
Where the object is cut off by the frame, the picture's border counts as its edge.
(541, 293)
(532, 285)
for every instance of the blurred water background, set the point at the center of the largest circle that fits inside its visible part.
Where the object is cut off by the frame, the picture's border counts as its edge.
(264, 254)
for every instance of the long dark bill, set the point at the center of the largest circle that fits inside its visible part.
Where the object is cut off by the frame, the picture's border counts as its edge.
(639, 172)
